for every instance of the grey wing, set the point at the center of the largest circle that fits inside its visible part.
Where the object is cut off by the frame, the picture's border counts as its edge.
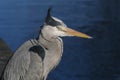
(26, 63)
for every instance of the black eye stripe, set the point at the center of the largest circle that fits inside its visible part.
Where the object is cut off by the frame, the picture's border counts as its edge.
(50, 21)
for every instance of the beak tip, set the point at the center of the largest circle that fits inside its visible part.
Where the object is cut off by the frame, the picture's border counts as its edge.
(90, 37)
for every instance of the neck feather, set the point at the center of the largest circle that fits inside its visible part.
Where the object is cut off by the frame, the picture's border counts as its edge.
(52, 43)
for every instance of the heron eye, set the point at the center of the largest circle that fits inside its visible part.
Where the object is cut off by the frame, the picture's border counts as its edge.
(61, 28)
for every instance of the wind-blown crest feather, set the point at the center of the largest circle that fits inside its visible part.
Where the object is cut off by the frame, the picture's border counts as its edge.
(49, 19)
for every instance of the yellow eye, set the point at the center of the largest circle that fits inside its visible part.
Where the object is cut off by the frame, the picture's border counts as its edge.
(61, 28)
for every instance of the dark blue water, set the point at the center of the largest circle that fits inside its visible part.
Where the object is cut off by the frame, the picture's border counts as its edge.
(83, 59)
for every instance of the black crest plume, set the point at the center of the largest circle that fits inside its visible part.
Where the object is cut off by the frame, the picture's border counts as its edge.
(49, 20)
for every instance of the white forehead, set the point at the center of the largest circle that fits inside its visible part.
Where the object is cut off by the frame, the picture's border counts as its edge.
(58, 20)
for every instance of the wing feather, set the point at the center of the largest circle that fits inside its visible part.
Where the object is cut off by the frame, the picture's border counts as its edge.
(25, 64)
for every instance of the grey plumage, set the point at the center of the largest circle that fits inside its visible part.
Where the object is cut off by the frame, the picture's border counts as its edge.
(23, 65)
(36, 58)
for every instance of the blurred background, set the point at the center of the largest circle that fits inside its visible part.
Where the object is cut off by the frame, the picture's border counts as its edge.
(83, 59)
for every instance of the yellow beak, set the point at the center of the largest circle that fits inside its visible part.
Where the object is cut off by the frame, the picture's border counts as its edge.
(76, 33)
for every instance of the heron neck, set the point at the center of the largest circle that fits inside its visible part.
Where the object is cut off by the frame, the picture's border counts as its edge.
(51, 43)
(54, 50)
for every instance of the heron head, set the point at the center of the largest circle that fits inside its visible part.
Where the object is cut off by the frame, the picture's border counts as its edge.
(54, 27)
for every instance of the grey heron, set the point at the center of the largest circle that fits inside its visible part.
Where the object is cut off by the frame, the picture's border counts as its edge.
(37, 57)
